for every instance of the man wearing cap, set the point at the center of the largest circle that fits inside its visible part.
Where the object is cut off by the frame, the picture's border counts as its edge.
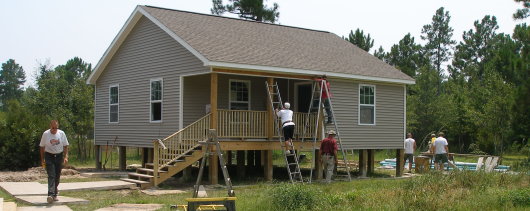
(53, 154)
(286, 117)
(328, 154)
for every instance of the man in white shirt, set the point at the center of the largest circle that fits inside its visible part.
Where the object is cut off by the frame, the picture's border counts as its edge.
(440, 150)
(410, 148)
(53, 154)
(286, 116)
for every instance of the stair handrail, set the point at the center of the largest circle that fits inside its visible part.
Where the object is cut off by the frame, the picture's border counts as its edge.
(180, 143)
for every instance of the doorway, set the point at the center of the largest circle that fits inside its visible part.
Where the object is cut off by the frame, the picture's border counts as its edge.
(303, 96)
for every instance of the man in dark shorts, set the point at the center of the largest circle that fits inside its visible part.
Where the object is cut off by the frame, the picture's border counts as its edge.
(410, 147)
(440, 150)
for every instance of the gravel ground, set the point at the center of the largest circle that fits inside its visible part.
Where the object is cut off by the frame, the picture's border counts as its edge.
(31, 175)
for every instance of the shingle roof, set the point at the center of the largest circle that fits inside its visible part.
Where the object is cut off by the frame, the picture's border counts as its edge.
(231, 40)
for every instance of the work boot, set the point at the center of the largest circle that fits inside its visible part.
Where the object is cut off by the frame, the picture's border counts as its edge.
(49, 199)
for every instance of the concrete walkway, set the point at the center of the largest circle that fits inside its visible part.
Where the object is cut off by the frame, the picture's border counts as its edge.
(37, 208)
(41, 200)
(35, 193)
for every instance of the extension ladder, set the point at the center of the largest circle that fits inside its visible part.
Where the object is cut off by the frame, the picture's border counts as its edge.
(316, 105)
(291, 159)
(208, 144)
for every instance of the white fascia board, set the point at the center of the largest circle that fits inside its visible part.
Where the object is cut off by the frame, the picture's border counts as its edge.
(116, 43)
(306, 72)
(173, 35)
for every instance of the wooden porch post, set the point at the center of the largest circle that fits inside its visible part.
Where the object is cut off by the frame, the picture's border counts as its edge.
(400, 156)
(371, 160)
(363, 162)
(98, 156)
(240, 163)
(267, 158)
(267, 167)
(318, 165)
(270, 117)
(122, 158)
(214, 160)
(250, 158)
(229, 157)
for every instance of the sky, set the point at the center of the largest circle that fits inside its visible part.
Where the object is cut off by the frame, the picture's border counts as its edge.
(34, 32)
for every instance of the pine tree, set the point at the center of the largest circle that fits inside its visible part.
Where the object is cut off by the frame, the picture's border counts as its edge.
(12, 77)
(438, 35)
(360, 40)
(247, 9)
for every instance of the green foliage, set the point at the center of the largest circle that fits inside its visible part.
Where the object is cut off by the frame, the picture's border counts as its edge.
(439, 39)
(12, 77)
(406, 56)
(247, 9)
(362, 41)
(20, 133)
(518, 197)
(522, 13)
(63, 95)
(294, 197)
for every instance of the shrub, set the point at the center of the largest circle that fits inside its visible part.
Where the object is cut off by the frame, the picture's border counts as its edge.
(519, 197)
(294, 197)
(20, 136)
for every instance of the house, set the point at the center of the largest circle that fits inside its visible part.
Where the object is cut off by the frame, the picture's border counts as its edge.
(171, 75)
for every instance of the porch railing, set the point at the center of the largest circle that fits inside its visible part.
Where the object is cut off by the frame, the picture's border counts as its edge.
(180, 143)
(242, 124)
(253, 124)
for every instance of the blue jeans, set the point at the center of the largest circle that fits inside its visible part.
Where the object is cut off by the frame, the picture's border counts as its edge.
(54, 165)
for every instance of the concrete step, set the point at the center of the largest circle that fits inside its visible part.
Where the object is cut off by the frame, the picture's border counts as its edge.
(139, 183)
(141, 175)
(10, 206)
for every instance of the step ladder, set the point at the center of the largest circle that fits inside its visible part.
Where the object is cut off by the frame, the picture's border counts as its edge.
(291, 158)
(317, 104)
(213, 141)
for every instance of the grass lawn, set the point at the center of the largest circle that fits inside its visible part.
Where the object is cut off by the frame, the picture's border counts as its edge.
(459, 190)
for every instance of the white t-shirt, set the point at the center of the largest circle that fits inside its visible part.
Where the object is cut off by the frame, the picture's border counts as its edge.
(409, 146)
(440, 144)
(53, 143)
(286, 115)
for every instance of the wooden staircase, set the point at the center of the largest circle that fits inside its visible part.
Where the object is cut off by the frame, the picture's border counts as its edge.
(144, 177)
(172, 155)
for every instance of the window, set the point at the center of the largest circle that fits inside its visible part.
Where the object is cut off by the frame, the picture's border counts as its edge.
(239, 95)
(114, 103)
(366, 104)
(156, 100)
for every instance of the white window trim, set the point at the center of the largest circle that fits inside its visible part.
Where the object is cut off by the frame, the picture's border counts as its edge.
(156, 101)
(118, 104)
(359, 105)
(230, 94)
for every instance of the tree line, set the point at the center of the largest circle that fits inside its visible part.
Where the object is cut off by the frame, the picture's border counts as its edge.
(477, 91)
(60, 93)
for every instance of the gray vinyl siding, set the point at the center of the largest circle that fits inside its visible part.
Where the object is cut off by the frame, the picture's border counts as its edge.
(147, 53)
(196, 97)
(387, 133)
(258, 93)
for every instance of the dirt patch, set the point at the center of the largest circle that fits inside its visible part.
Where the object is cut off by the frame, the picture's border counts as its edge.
(32, 174)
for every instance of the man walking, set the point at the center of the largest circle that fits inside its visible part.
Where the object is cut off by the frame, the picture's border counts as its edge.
(53, 154)
(328, 153)
(440, 150)
(410, 148)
